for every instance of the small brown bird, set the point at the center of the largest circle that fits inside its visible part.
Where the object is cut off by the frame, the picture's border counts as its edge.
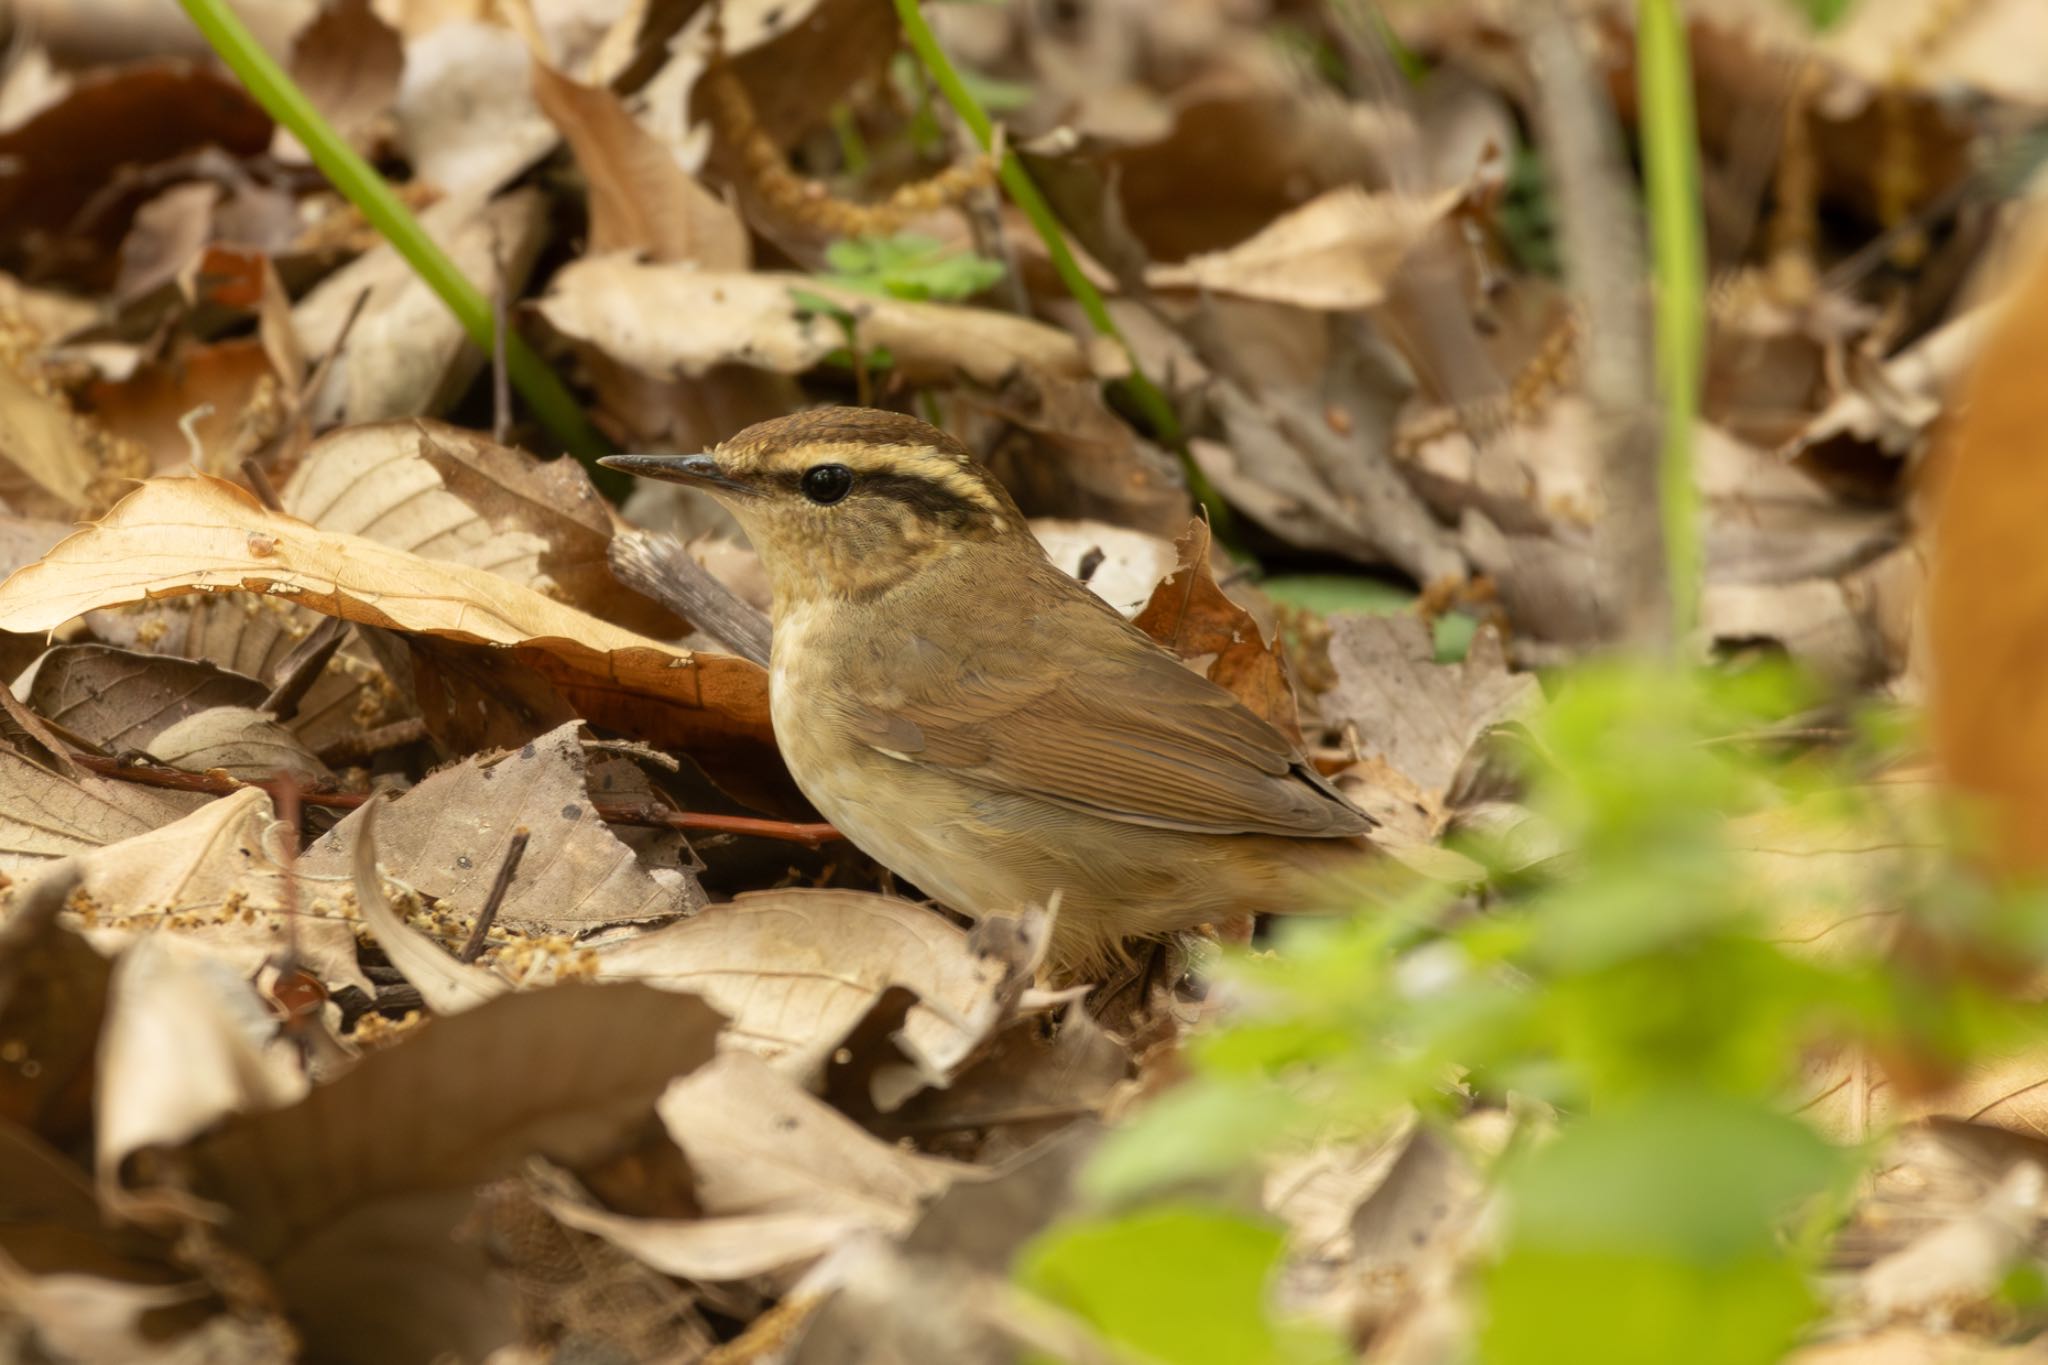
(983, 724)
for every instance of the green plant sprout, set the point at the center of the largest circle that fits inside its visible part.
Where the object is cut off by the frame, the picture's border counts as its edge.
(909, 266)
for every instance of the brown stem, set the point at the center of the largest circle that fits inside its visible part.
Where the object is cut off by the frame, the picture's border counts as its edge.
(652, 817)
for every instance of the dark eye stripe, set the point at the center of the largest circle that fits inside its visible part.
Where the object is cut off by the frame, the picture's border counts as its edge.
(928, 498)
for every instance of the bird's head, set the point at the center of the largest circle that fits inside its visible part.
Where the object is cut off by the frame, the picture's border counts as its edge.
(848, 502)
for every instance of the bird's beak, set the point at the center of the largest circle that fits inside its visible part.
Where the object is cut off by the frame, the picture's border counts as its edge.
(701, 470)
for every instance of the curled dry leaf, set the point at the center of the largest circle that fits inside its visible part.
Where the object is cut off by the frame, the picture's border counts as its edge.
(119, 699)
(46, 466)
(447, 837)
(672, 320)
(444, 493)
(1336, 252)
(641, 198)
(347, 62)
(1191, 615)
(781, 1178)
(796, 969)
(349, 1197)
(242, 742)
(407, 354)
(448, 986)
(182, 1048)
(175, 536)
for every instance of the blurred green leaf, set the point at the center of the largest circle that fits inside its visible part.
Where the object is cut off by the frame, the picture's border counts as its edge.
(1672, 1206)
(1181, 1284)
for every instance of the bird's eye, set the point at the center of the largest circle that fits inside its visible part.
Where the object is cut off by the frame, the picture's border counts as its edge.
(825, 484)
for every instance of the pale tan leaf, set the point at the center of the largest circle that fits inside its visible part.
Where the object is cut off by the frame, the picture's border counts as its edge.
(447, 837)
(671, 320)
(175, 536)
(795, 970)
(1336, 252)
(45, 814)
(407, 355)
(245, 743)
(216, 881)
(45, 465)
(1420, 716)
(448, 986)
(466, 117)
(444, 493)
(782, 1178)
(180, 1051)
(641, 197)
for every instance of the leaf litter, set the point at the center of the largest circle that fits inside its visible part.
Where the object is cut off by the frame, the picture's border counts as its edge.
(300, 1059)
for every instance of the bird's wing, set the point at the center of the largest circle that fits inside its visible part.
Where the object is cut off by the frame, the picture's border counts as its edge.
(1067, 710)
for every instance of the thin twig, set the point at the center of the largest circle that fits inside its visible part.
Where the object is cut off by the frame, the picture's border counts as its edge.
(658, 566)
(514, 851)
(217, 783)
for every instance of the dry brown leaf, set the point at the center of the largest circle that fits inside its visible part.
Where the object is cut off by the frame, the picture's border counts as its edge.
(134, 115)
(227, 396)
(175, 536)
(253, 635)
(444, 493)
(1421, 717)
(349, 1197)
(668, 321)
(447, 985)
(182, 1048)
(347, 62)
(46, 467)
(641, 198)
(1191, 616)
(1064, 453)
(1336, 252)
(120, 699)
(466, 116)
(46, 814)
(797, 58)
(53, 992)
(782, 1178)
(407, 356)
(795, 970)
(447, 837)
(241, 741)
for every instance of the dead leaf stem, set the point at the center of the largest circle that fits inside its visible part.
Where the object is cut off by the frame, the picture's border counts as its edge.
(217, 783)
